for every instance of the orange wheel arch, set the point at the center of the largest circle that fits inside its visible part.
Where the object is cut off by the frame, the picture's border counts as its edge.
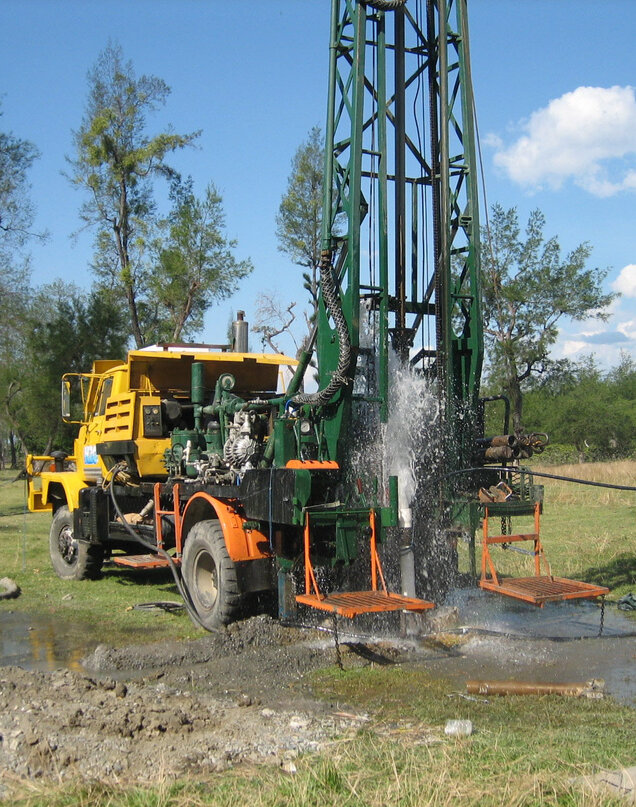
(242, 543)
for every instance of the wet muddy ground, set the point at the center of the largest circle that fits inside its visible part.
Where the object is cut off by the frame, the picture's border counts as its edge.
(145, 712)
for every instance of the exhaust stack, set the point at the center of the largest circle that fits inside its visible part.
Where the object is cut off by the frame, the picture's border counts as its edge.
(240, 333)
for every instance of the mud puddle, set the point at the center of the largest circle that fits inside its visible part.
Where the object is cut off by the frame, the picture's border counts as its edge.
(481, 610)
(244, 694)
(559, 643)
(40, 642)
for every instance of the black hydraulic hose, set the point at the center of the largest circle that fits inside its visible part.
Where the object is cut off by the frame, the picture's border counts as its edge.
(340, 377)
(584, 481)
(534, 473)
(183, 591)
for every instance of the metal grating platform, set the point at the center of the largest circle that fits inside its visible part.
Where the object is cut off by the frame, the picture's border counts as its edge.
(353, 603)
(541, 589)
(142, 561)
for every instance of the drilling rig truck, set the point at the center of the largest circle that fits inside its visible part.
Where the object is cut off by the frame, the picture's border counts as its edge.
(194, 455)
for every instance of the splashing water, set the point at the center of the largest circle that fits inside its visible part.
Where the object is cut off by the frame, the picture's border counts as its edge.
(409, 438)
(409, 446)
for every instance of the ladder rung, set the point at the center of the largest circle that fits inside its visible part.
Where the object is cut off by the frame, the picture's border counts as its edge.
(506, 539)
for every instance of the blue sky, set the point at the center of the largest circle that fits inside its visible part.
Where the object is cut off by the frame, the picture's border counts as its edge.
(555, 104)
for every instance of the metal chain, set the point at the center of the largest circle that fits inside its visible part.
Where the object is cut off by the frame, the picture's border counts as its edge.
(602, 625)
(336, 642)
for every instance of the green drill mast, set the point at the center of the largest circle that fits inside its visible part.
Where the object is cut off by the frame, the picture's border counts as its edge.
(400, 217)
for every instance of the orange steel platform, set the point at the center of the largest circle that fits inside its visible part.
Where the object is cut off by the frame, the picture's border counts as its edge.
(142, 561)
(544, 588)
(540, 588)
(353, 603)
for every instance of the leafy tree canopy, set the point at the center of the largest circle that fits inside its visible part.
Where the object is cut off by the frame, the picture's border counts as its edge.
(65, 330)
(115, 163)
(298, 230)
(528, 287)
(16, 209)
(588, 408)
(193, 264)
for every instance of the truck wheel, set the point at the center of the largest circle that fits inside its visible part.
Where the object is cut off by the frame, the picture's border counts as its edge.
(72, 559)
(210, 575)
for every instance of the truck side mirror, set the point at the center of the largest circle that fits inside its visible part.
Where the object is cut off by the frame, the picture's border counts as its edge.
(66, 399)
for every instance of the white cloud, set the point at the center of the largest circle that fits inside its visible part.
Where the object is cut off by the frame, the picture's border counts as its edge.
(493, 141)
(625, 283)
(627, 328)
(572, 346)
(593, 329)
(574, 137)
(606, 341)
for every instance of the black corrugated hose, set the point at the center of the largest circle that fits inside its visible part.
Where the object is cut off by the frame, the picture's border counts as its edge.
(340, 376)
(384, 5)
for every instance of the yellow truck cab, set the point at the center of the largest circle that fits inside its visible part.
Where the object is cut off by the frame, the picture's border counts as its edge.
(184, 418)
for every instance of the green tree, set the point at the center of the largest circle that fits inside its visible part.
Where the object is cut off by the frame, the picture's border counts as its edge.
(528, 287)
(622, 378)
(16, 221)
(16, 208)
(115, 163)
(14, 306)
(591, 410)
(299, 218)
(194, 263)
(592, 418)
(66, 330)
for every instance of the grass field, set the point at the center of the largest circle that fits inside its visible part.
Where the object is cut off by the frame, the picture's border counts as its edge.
(525, 751)
(102, 607)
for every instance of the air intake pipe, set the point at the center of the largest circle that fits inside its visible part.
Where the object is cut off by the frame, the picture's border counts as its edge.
(240, 333)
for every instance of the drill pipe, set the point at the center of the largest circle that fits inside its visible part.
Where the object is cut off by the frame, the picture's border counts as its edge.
(495, 454)
(498, 440)
(584, 689)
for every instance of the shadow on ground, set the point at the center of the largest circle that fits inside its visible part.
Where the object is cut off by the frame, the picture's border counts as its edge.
(620, 572)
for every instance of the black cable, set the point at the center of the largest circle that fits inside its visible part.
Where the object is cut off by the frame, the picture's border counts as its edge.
(159, 605)
(513, 469)
(583, 481)
(181, 588)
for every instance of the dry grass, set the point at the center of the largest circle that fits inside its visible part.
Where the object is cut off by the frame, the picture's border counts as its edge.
(621, 472)
(369, 772)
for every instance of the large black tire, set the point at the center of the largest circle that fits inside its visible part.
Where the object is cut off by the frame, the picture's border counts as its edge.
(72, 559)
(210, 576)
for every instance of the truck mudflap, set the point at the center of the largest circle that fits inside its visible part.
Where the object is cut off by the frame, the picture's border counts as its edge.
(256, 575)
